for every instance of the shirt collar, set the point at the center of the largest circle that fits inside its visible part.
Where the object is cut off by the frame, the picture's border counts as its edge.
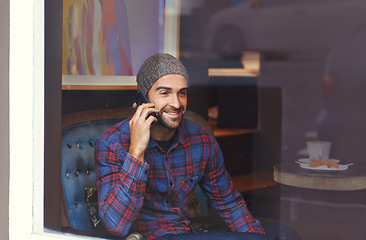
(179, 137)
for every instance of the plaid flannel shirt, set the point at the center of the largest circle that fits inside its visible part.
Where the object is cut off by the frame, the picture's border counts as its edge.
(151, 197)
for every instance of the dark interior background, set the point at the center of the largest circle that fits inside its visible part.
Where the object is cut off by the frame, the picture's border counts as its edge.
(296, 77)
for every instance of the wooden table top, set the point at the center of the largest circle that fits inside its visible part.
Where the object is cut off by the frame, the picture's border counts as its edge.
(353, 178)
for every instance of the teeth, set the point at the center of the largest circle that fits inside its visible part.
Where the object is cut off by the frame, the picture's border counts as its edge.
(172, 113)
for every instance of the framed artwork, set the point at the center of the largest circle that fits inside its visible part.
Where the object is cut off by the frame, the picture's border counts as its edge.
(106, 41)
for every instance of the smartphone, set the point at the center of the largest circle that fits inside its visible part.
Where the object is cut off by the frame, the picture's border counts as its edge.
(141, 98)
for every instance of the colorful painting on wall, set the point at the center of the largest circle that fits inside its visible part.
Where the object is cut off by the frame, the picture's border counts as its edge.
(110, 37)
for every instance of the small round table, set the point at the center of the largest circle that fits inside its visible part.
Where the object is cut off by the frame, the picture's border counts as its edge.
(353, 178)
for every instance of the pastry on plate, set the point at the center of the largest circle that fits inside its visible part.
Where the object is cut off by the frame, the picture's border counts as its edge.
(314, 162)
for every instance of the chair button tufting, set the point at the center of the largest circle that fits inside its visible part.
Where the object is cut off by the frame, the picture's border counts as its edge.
(69, 145)
(78, 145)
(91, 143)
(67, 175)
(76, 204)
(77, 173)
(88, 171)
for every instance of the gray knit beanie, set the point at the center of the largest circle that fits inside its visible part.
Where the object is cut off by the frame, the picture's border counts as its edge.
(155, 67)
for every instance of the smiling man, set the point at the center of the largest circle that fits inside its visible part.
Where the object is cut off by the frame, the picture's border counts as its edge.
(149, 165)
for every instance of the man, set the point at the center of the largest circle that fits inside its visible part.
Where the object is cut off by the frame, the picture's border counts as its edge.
(148, 166)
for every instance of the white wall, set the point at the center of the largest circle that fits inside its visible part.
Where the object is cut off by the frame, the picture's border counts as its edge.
(4, 119)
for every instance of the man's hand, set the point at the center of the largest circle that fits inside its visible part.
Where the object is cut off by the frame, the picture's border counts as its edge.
(140, 130)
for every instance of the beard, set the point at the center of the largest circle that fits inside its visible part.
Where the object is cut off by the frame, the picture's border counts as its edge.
(167, 122)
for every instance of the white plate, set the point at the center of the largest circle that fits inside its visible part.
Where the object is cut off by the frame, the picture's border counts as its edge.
(324, 168)
(307, 160)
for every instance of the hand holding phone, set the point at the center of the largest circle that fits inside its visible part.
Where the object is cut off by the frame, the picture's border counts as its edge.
(141, 98)
(140, 124)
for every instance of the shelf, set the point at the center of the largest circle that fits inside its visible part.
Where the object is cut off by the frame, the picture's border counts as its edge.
(226, 132)
(253, 181)
(251, 67)
(235, 75)
(93, 82)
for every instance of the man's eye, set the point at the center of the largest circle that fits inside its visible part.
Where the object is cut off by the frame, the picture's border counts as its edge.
(183, 93)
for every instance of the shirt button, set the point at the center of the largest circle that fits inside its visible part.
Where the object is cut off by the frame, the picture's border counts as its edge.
(145, 172)
(171, 183)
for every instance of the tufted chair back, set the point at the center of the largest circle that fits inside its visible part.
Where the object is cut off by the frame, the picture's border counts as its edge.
(80, 130)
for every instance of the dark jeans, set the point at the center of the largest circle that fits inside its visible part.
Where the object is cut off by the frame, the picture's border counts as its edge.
(273, 232)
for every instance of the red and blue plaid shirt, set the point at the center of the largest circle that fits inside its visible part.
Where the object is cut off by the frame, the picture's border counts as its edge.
(151, 197)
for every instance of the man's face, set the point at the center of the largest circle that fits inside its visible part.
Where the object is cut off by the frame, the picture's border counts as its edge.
(169, 94)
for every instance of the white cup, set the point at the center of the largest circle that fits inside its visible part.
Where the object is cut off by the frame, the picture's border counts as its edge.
(319, 149)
